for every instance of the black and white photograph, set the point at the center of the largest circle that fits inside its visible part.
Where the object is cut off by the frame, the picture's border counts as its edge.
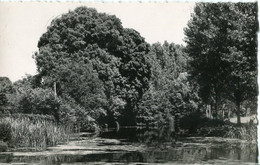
(136, 83)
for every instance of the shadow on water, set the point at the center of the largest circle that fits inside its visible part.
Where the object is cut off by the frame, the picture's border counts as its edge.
(142, 135)
(132, 145)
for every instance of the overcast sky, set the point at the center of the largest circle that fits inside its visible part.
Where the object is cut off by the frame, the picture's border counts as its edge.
(22, 24)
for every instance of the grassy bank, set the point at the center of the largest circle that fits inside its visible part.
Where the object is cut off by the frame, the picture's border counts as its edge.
(33, 131)
(197, 125)
(243, 132)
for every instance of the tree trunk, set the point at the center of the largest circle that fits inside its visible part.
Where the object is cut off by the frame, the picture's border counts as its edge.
(215, 112)
(210, 111)
(238, 113)
(55, 92)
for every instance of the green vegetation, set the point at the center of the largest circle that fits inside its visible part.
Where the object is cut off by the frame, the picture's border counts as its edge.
(93, 73)
(195, 124)
(96, 62)
(170, 92)
(3, 146)
(222, 43)
(246, 132)
(34, 131)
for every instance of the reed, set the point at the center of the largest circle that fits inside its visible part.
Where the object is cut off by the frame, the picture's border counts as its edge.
(245, 132)
(35, 132)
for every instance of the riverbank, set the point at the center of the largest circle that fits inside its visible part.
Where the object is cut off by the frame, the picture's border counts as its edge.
(119, 149)
(198, 126)
(37, 132)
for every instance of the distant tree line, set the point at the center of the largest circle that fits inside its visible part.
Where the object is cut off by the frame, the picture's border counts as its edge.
(94, 72)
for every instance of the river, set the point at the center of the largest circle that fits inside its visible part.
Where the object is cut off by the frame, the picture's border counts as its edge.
(139, 146)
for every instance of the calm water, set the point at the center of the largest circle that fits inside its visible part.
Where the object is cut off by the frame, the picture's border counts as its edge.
(140, 146)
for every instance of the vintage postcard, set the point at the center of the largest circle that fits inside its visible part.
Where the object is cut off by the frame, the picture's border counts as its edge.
(128, 82)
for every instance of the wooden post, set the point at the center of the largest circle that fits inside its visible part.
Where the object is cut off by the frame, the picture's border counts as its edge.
(117, 126)
(55, 93)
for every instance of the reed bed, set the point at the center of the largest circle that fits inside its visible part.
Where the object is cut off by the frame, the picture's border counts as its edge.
(245, 132)
(35, 132)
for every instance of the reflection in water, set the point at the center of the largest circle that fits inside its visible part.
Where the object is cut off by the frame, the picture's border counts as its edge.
(142, 145)
(142, 135)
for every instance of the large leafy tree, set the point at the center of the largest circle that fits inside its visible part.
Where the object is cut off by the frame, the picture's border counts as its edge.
(205, 34)
(242, 54)
(116, 55)
(221, 41)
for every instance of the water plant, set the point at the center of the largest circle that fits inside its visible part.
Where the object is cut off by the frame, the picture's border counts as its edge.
(245, 132)
(37, 133)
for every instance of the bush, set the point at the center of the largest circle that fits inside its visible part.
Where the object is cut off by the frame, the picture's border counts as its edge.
(3, 146)
(198, 125)
(5, 132)
(193, 121)
(211, 131)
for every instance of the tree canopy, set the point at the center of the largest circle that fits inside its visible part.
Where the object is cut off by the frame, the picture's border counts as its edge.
(170, 92)
(222, 43)
(94, 49)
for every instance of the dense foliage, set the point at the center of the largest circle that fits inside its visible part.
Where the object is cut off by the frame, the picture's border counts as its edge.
(6, 89)
(95, 61)
(170, 92)
(222, 43)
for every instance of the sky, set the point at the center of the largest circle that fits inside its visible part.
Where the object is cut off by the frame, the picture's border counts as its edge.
(23, 23)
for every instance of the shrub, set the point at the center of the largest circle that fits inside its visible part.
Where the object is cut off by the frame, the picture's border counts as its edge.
(217, 131)
(192, 121)
(3, 146)
(5, 132)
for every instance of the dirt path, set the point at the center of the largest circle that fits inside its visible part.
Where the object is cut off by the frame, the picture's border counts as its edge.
(244, 119)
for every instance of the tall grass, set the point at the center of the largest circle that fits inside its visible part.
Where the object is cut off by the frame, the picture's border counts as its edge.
(219, 128)
(246, 132)
(36, 131)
